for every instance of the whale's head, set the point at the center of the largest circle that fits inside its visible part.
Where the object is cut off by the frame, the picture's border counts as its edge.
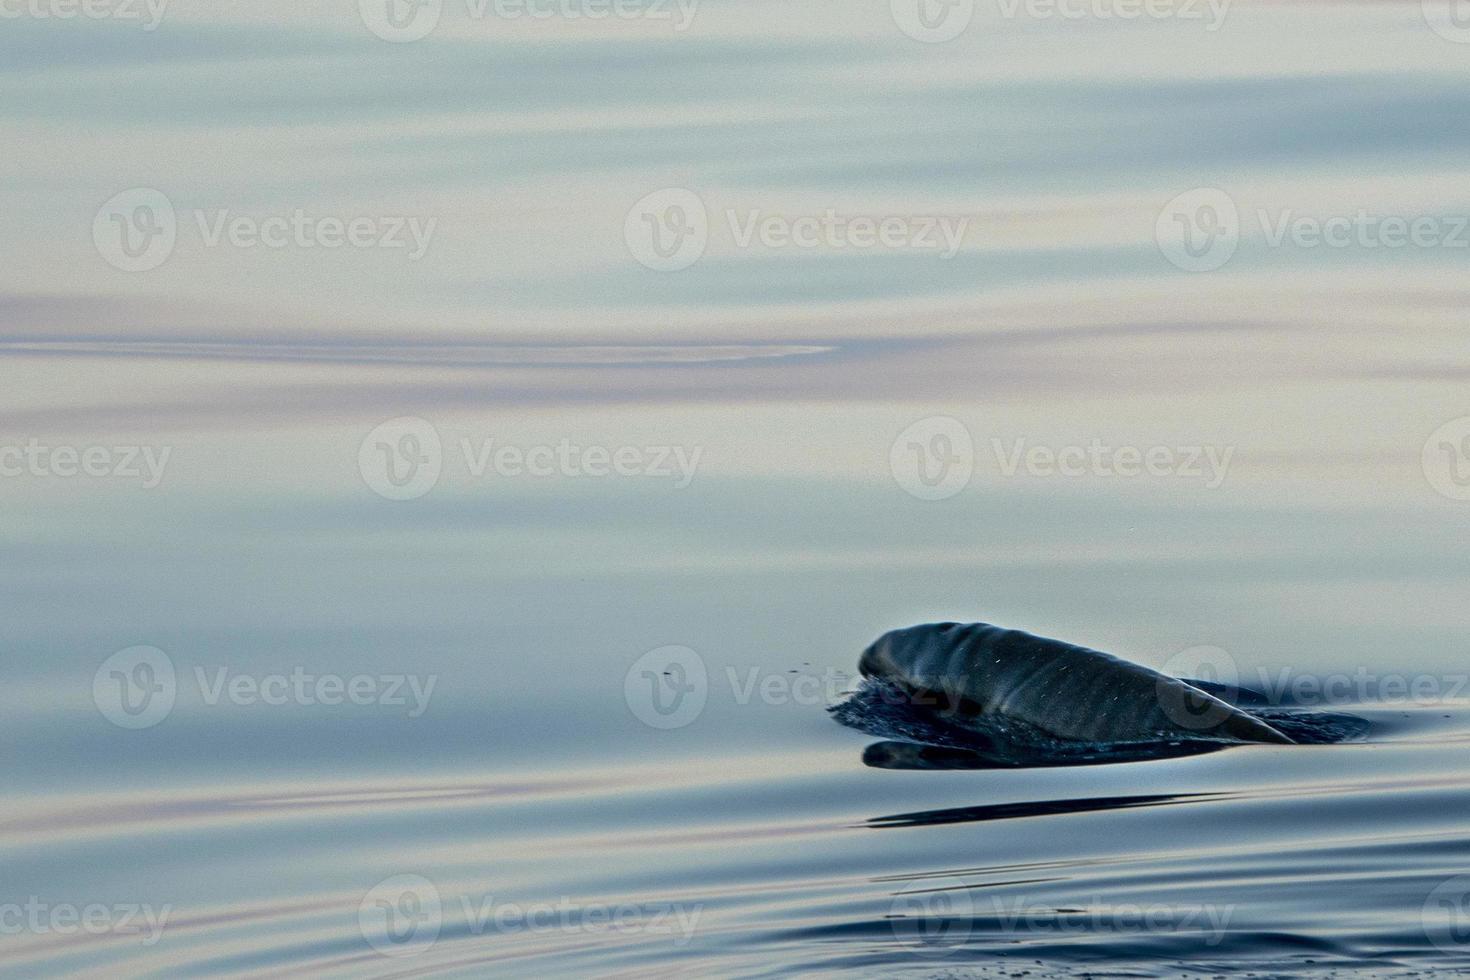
(877, 659)
(896, 653)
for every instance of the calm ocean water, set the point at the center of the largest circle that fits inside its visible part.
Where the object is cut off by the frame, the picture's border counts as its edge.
(451, 459)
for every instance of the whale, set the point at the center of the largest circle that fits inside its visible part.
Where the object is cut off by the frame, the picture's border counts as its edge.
(1006, 679)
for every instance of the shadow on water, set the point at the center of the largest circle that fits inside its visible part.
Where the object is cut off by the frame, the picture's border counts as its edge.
(1040, 808)
(911, 755)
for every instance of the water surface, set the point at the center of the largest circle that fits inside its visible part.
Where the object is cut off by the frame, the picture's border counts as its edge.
(502, 773)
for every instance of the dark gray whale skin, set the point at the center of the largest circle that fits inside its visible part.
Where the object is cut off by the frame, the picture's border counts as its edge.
(1062, 690)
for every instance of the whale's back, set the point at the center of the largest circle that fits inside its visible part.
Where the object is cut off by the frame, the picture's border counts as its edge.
(1064, 690)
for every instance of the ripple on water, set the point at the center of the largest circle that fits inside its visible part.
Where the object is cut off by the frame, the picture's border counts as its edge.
(1281, 861)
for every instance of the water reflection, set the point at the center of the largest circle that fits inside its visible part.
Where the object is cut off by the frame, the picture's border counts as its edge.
(910, 755)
